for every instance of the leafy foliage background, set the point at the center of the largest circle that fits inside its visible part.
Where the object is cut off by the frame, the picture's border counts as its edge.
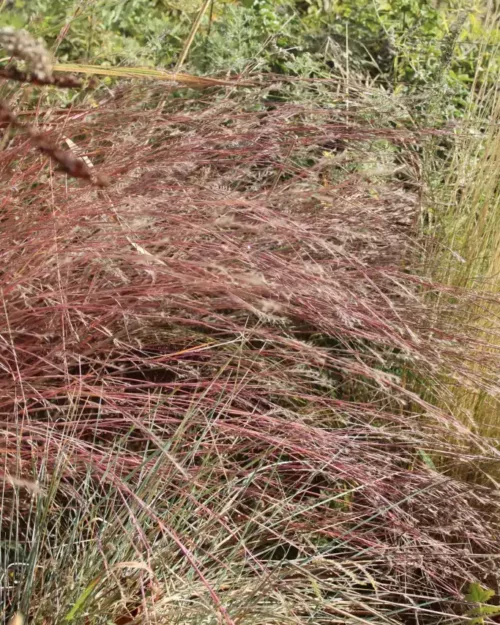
(401, 43)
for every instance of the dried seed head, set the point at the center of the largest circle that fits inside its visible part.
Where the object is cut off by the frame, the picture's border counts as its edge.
(225, 221)
(32, 51)
(270, 306)
(253, 279)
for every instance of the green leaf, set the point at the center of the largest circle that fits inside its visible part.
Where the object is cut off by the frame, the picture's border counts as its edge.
(478, 594)
(82, 599)
(426, 459)
(11, 19)
(485, 610)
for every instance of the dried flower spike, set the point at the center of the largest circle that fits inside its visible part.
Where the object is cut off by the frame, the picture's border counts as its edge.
(66, 82)
(68, 162)
(32, 51)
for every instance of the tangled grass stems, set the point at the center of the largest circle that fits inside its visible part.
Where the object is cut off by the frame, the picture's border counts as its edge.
(462, 212)
(254, 328)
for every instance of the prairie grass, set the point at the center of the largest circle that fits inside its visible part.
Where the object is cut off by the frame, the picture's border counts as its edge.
(464, 216)
(203, 405)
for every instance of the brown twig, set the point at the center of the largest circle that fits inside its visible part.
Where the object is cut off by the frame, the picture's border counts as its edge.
(66, 82)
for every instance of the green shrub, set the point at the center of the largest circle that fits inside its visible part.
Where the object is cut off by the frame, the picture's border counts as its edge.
(409, 45)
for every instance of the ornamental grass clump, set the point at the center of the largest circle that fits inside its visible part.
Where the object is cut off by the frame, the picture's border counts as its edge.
(207, 412)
